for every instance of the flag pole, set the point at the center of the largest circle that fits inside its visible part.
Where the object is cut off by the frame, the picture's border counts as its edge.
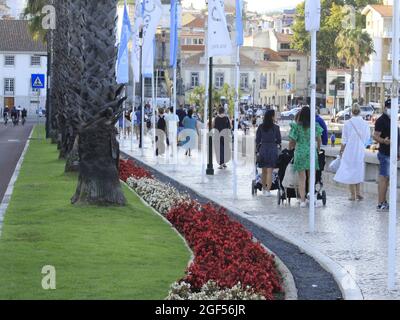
(236, 126)
(312, 24)
(133, 111)
(312, 129)
(204, 140)
(239, 42)
(153, 112)
(394, 149)
(175, 131)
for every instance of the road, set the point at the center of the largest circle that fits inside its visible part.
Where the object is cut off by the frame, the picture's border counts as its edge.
(12, 143)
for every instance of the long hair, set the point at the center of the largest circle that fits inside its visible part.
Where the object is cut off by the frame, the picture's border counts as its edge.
(304, 117)
(268, 122)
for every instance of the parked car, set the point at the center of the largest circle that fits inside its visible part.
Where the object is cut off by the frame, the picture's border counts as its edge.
(343, 115)
(367, 112)
(290, 115)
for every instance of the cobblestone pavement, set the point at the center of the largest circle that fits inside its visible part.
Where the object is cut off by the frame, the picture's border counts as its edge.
(351, 233)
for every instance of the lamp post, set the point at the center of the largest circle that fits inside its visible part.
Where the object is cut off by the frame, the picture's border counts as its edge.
(210, 168)
(254, 91)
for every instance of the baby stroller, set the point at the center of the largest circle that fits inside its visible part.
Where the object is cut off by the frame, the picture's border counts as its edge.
(319, 185)
(286, 194)
(256, 184)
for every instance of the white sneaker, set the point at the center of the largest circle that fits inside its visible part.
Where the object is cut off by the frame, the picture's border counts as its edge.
(267, 194)
(303, 205)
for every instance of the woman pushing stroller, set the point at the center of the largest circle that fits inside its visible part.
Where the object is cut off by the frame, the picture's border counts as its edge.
(268, 141)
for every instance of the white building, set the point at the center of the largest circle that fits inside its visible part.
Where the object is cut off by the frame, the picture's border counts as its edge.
(20, 57)
(376, 74)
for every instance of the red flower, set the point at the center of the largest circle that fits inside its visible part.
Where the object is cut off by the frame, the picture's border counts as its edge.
(128, 168)
(224, 251)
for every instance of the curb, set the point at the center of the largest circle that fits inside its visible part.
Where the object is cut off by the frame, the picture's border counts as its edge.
(347, 285)
(7, 196)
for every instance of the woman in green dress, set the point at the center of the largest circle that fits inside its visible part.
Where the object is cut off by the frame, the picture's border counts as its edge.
(299, 138)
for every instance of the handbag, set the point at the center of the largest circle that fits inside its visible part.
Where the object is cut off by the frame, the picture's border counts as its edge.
(291, 178)
(335, 165)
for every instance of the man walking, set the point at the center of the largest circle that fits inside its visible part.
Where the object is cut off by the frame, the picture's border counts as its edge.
(382, 136)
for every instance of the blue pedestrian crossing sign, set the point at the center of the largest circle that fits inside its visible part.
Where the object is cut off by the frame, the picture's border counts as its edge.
(37, 81)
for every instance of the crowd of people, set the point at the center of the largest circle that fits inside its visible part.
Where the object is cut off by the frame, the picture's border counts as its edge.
(16, 114)
(356, 135)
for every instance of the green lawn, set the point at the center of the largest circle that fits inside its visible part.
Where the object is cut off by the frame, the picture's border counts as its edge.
(98, 253)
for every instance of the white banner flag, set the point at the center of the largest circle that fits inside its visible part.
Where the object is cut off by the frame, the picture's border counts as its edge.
(148, 63)
(152, 12)
(313, 15)
(136, 41)
(219, 41)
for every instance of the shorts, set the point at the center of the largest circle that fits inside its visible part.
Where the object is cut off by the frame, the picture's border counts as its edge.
(384, 167)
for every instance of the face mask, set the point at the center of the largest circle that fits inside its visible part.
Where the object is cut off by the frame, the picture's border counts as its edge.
(388, 112)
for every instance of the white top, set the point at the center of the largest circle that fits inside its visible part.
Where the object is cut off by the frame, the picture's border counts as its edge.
(356, 134)
(171, 119)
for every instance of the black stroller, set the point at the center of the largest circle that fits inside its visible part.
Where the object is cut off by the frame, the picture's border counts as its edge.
(256, 184)
(319, 185)
(286, 194)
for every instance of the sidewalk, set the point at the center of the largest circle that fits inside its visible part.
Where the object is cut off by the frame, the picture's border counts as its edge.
(354, 235)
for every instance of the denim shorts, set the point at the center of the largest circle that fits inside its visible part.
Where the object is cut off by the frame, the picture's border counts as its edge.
(384, 167)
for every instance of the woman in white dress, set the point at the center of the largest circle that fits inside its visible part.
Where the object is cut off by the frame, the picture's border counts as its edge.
(355, 136)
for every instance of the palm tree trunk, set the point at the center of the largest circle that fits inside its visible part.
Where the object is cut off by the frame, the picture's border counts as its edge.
(101, 107)
(359, 84)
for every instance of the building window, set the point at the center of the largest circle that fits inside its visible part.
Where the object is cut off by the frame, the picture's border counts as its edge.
(263, 82)
(285, 46)
(219, 80)
(35, 61)
(9, 86)
(9, 61)
(244, 81)
(201, 41)
(194, 82)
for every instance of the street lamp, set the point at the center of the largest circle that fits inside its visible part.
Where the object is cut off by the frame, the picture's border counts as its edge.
(210, 168)
(254, 91)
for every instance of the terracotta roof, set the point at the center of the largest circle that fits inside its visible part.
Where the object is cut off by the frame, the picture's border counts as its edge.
(384, 11)
(273, 55)
(283, 37)
(199, 22)
(15, 37)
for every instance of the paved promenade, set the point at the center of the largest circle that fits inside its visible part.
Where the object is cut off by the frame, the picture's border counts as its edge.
(352, 234)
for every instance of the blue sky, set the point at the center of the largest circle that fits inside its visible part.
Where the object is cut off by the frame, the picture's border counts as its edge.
(257, 5)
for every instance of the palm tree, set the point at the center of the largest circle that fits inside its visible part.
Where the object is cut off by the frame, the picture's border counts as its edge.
(355, 48)
(101, 106)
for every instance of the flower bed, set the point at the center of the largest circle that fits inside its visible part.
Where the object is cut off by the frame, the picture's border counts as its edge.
(226, 257)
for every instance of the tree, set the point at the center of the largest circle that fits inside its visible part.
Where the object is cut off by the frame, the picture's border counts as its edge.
(355, 48)
(101, 107)
(331, 25)
(197, 97)
(229, 94)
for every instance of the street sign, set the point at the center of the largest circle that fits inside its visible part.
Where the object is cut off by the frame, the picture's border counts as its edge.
(38, 81)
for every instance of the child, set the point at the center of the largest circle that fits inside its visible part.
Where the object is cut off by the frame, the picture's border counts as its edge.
(333, 140)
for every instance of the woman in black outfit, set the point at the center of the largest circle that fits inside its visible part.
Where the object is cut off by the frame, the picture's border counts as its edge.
(268, 138)
(222, 122)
